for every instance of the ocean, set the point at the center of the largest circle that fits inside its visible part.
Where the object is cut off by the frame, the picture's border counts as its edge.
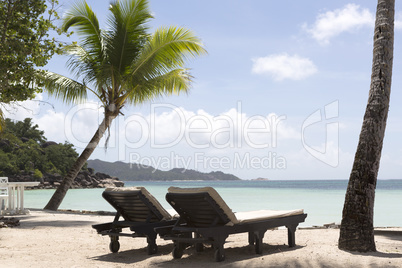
(322, 200)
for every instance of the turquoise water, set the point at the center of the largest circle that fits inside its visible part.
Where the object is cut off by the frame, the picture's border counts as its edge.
(321, 200)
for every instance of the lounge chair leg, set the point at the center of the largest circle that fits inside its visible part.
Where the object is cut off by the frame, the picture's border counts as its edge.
(258, 236)
(199, 247)
(251, 238)
(219, 254)
(218, 246)
(178, 250)
(292, 235)
(152, 248)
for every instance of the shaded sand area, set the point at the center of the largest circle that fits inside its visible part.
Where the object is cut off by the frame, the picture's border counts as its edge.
(46, 239)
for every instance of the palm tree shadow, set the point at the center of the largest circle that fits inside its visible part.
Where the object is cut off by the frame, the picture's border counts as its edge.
(390, 235)
(29, 222)
(55, 224)
(377, 254)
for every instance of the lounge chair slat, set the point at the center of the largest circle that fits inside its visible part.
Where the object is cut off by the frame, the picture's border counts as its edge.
(141, 212)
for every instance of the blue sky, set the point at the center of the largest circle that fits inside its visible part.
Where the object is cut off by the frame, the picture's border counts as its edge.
(280, 95)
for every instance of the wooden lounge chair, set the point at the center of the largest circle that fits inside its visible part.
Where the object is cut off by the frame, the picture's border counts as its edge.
(206, 219)
(141, 213)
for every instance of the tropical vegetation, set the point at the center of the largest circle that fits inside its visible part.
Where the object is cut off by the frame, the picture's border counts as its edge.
(25, 44)
(23, 149)
(121, 65)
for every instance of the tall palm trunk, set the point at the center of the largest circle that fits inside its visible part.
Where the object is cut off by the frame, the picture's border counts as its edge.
(68, 180)
(357, 232)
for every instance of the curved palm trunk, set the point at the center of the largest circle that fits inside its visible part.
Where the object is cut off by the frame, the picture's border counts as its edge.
(357, 232)
(68, 180)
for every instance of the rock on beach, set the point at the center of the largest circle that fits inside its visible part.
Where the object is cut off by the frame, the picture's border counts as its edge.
(84, 180)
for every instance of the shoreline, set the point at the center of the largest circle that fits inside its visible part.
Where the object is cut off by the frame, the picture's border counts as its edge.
(332, 225)
(377, 229)
(323, 202)
(45, 238)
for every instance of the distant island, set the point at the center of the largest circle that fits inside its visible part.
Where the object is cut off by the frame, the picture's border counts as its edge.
(135, 172)
(260, 179)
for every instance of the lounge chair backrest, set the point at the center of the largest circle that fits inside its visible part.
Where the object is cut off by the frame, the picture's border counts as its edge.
(3, 192)
(201, 207)
(136, 204)
(3, 186)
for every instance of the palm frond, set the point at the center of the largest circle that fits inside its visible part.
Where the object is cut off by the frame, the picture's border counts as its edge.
(84, 20)
(124, 63)
(173, 82)
(167, 49)
(127, 33)
(69, 90)
(81, 63)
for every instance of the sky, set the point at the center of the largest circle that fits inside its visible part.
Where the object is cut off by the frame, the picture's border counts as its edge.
(280, 95)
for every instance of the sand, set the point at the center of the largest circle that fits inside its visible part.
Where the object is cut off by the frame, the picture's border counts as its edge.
(48, 239)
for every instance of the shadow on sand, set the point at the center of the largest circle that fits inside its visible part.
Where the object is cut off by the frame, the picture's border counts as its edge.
(391, 235)
(30, 222)
(191, 258)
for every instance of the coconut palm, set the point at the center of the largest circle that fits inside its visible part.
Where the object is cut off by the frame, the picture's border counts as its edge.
(357, 231)
(120, 66)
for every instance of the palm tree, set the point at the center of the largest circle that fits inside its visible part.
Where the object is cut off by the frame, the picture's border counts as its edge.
(357, 232)
(121, 65)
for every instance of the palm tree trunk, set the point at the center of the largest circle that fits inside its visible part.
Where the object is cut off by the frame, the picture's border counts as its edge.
(68, 180)
(357, 232)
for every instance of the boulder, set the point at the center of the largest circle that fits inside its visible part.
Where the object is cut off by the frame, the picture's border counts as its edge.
(24, 140)
(48, 143)
(84, 179)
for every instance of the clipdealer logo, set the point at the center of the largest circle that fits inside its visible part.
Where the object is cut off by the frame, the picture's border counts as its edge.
(231, 140)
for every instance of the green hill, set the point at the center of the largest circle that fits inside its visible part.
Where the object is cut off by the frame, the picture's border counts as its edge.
(24, 150)
(134, 172)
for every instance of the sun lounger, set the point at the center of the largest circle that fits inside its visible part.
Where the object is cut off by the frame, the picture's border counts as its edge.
(206, 219)
(141, 213)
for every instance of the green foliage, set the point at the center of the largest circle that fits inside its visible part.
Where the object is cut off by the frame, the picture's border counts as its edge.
(61, 156)
(25, 129)
(38, 174)
(7, 164)
(29, 156)
(24, 45)
(21, 149)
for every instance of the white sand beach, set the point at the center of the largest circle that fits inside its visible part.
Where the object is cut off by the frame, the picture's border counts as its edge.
(48, 239)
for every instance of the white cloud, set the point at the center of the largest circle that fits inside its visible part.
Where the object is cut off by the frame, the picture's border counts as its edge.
(333, 23)
(77, 125)
(398, 25)
(398, 21)
(80, 123)
(21, 110)
(52, 123)
(246, 145)
(283, 66)
(177, 128)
